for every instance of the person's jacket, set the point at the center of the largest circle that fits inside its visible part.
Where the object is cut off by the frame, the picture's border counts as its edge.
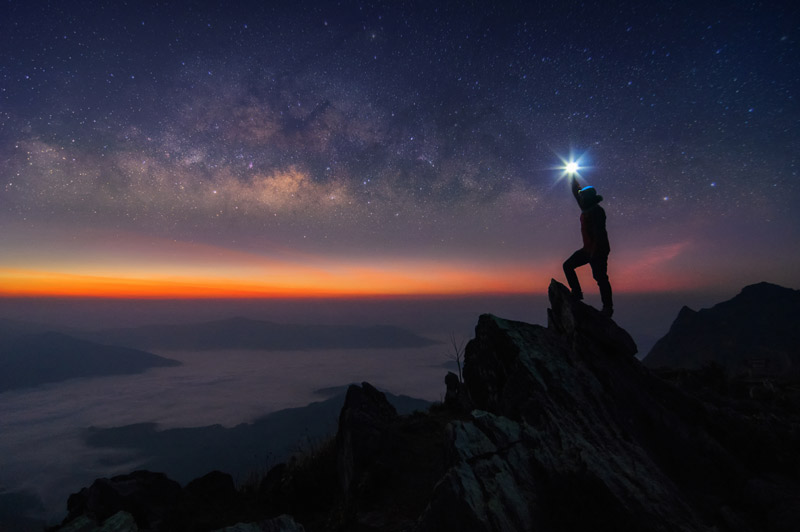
(593, 222)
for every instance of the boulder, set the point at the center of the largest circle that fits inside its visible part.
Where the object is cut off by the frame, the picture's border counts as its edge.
(149, 497)
(119, 522)
(282, 523)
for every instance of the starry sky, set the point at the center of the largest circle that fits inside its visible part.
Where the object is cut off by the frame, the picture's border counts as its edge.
(243, 148)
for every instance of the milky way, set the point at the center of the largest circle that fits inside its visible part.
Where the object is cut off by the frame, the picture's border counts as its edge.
(399, 135)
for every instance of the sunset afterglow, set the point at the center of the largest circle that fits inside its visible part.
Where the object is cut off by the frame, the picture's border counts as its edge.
(385, 149)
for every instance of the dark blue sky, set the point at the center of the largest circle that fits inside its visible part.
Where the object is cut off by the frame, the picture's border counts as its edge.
(386, 144)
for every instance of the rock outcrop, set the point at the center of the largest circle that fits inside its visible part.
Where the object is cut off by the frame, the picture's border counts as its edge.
(555, 428)
(564, 432)
(571, 432)
(148, 497)
(144, 500)
(362, 433)
(756, 333)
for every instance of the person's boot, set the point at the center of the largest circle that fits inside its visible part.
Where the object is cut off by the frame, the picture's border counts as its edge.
(605, 297)
(574, 284)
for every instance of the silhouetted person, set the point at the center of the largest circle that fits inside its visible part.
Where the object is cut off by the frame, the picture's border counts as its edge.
(595, 248)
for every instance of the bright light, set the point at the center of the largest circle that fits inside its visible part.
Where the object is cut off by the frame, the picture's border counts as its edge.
(571, 166)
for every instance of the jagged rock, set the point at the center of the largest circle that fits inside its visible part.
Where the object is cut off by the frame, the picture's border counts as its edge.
(456, 397)
(364, 417)
(282, 523)
(156, 503)
(119, 522)
(211, 501)
(489, 488)
(583, 324)
(241, 527)
(756, 332)
(387, 464)
(213, 493)
(148, 496)
(511, 356)
(575, 434)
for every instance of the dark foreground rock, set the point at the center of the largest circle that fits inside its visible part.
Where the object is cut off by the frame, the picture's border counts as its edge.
(144, 500)
(555, 428)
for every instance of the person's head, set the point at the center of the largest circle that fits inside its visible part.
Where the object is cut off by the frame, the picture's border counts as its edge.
(589, 197)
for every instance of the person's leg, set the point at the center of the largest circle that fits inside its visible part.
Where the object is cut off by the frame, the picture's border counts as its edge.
(600, 274)
(579, 258)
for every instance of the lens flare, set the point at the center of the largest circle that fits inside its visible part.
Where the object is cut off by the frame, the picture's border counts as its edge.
(571, 166)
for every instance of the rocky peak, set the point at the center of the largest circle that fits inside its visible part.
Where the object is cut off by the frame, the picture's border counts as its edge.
(363, 424)
(565, 431)
(582, 323)
(509, 364)
(571, 432)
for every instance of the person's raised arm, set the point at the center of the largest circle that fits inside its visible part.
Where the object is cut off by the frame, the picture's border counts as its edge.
(576, 186)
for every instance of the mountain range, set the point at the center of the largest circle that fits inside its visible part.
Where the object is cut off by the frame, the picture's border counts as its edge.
(238, 450)
(34, 358)
(556, 428)
(244, 333)
(757, 332)
(31, 354)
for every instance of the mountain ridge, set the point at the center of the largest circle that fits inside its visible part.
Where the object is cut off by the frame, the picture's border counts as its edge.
(28, 360)
(245, 333)
(755, 332)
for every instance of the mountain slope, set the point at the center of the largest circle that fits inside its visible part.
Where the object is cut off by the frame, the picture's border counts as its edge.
(33, 359)
(758, 331)
(185, 453)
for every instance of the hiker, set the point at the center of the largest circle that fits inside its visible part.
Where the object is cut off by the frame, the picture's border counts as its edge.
(595, 248)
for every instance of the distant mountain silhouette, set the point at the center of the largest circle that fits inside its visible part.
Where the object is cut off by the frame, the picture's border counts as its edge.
(12, 328)
(244, 333)
(17, 509)
(758, 332)
(186, 453)
(32, 359)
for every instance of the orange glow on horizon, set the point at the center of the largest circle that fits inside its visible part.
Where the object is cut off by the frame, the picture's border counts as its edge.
(132, 266)
(347, 282)
(342, 281)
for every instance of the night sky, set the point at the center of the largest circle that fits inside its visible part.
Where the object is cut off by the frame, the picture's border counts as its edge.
(351, 148)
